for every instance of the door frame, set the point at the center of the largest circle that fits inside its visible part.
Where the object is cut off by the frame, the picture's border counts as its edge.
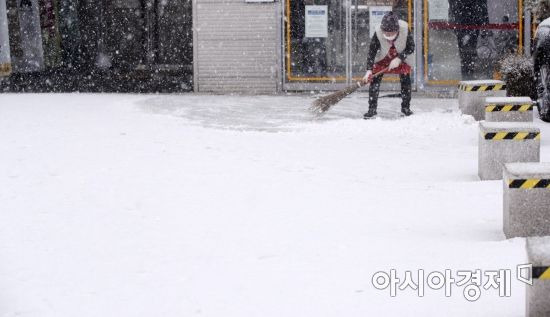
(305, 84)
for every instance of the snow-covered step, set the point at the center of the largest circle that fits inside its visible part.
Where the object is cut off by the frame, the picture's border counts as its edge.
(472, 94)
(538, 253)
(508, 109)
(506, 142)
(526, 200)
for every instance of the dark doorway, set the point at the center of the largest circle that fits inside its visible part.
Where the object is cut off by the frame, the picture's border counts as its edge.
(104, 46)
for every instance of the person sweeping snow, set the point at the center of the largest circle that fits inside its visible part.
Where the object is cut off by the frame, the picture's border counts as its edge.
(390, 46)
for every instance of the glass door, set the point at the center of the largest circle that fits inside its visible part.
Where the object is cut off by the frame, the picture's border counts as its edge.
(315, 41)
(327, 41)
(463, 40)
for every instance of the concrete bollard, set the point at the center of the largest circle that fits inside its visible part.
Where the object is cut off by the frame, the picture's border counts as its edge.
(472, 94)
(505, 142)
(526, 200)
(508, 109)
(537, 303)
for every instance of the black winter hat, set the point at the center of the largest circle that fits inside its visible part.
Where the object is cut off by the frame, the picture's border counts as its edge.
(390, 22)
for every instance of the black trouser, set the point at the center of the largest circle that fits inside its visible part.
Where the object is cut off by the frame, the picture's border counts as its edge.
(406, 89)
(467, 44)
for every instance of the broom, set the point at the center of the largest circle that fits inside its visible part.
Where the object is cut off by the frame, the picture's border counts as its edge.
(323, 104)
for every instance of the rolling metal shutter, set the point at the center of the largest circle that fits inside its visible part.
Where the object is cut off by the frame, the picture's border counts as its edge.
(237, 46)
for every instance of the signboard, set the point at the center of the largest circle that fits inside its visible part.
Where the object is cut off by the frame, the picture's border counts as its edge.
(5, 61)
(376, 13)
(317, 21)
(438, 10)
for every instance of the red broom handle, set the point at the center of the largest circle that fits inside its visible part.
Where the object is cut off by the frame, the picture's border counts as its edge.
(362, 83)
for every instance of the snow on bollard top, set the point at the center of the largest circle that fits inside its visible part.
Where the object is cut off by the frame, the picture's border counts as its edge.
(507, 127)
(481, 85)
(528, 170)
(538, 250)
(508, 100)
(481, 82)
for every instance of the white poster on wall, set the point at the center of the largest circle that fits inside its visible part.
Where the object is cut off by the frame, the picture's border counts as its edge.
(317, 21)
(376, 13)
(5, 61)
(438, 9)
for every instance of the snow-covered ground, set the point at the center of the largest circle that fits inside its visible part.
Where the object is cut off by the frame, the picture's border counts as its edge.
(184, 205)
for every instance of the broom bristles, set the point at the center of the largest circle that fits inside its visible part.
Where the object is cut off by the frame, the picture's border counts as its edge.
(322, 104)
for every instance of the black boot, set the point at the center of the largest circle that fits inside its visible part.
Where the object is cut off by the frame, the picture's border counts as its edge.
(370, 114)
(406, 111)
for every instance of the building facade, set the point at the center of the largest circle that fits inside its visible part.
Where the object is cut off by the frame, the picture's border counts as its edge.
(245, 46)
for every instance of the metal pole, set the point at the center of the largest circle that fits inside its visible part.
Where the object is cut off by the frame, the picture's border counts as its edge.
(5, 60)
(419, 38)
(527, 37)
(347, 7)
(195, 46)
(281, 75)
